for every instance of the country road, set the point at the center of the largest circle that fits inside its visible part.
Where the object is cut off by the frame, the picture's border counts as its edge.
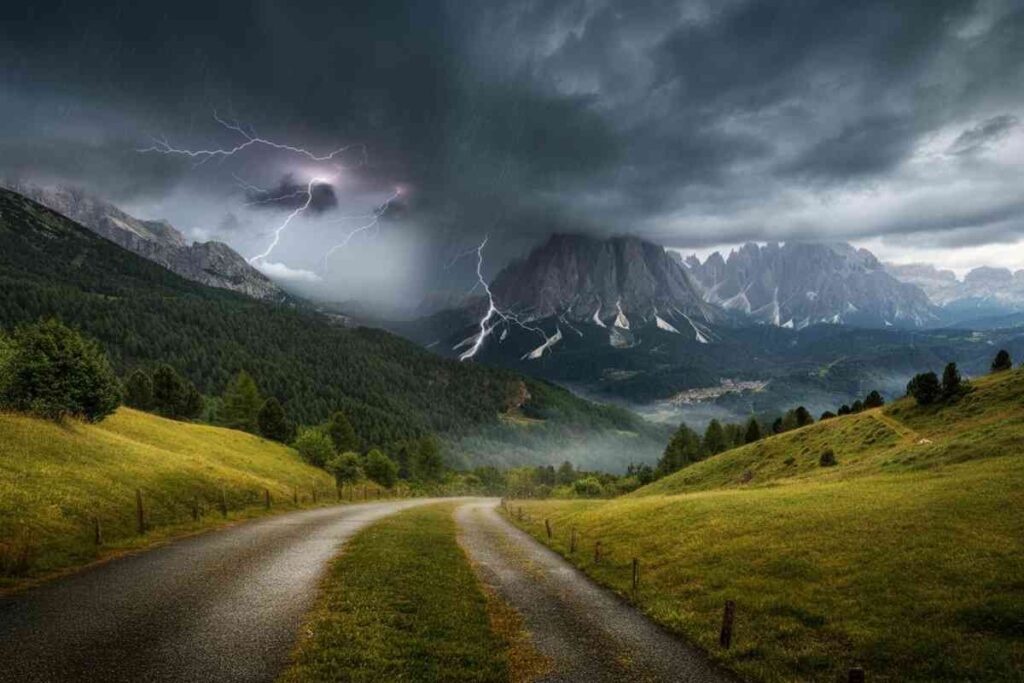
(588, 634)
(222, 606)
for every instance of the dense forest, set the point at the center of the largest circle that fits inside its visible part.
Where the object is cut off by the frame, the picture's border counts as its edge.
(145, 316)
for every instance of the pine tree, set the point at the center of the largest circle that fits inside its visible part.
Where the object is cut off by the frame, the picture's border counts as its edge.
(714, 438)
(925, 388)
(753, 431)
(342, 433)
(138, 391)
(168, 391)
(242, 403)
(427, 464)
(874, 400)
(803, 417)
(952, 384)
(192, 403)
(1002, 361)
(273, 423)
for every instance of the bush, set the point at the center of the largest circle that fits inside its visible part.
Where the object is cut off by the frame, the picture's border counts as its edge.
(588, 487)
(874, 400)
(54, 372)
(345, 468)
(828, 459)
(1002, 361)
(381, 469)
(314, 446)
(925, 388)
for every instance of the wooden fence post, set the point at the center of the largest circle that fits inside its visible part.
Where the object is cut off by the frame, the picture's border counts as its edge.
(366, 494)
(195, 508)
(140, 512)
(223, 502)
(520, 513)
(97, 530)
(636, 573)
(856, 675)
(547, 525)
(338, 490)
(597, 552)
(266, 498)
(572, 541)
(725, 637)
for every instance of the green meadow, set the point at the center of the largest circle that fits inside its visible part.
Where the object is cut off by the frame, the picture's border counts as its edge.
(906, 558)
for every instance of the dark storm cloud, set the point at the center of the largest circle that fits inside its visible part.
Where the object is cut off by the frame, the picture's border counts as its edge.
(689, 121)
(979, 137)
(289, 195)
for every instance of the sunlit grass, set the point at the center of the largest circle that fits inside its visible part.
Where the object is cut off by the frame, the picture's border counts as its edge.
(907, 558)
(56, 479)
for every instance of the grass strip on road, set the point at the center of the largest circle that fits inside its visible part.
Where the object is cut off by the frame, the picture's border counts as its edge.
(402, 603)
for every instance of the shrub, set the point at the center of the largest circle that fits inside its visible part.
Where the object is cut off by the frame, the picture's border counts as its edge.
(828, 458)
(54, 372)
(925, 388)
(345, 468)
(588, 487)
(1002, 361)
(380, 468)
(790, 461)
(314, 446)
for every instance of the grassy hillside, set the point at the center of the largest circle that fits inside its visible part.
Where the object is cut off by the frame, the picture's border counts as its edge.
(55, 479)
(144, 315)
(907, 558)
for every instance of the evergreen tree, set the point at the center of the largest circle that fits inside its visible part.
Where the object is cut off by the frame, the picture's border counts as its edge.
(827, 415)
(714, 438)
(1002, 361)
(138, 391)
(566, 473)
(380, 468)
(925, 388)
(427, 462)
(345, 468)
(684, 448)
(803, 417)
(273, 423)
(342, 434)
(857, 407)
(168, 391)
(952, 384)
(874, 400)
(192, 404)
(843, 410)
(242, 403)
(52, 371)
(753, 431)
(777, 426)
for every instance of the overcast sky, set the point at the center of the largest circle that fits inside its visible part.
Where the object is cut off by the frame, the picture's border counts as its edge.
(896, 125)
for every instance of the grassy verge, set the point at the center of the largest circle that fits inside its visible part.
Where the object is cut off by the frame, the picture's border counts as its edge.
(906, 558)
(56, 480)
(403, 604)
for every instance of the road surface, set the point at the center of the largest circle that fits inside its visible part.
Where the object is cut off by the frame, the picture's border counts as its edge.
(222, 606)
(588, 634)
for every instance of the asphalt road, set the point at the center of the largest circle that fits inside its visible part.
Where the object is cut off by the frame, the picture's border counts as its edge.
(222, 606)
(587, 633)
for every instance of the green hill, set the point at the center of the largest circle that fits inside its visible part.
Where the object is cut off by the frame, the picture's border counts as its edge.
(906, 558)
(57, 479)
(391, 389)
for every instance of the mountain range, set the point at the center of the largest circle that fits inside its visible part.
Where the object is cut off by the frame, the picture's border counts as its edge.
(214, 264)
(983, 290)
(799, 284)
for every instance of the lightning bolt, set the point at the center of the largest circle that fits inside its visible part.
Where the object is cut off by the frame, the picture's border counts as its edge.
(281, 228)
(373, 220)
(249, 139)
(495, 314)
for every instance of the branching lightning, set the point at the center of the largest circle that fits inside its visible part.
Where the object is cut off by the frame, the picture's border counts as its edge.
(250, 139)
(291, 216)
(494, 316)
(372, 221)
